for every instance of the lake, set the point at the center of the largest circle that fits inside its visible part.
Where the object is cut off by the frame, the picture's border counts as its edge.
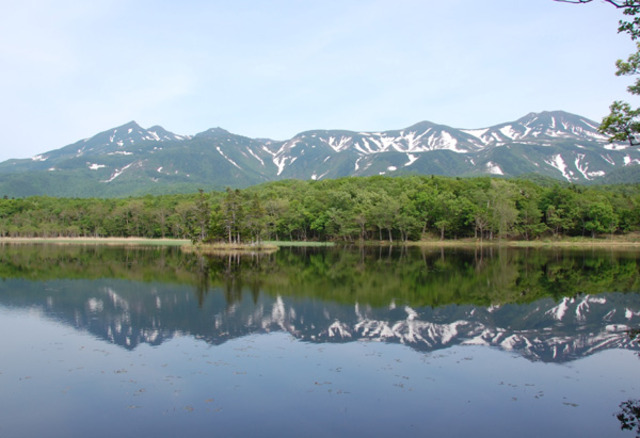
(318, 342)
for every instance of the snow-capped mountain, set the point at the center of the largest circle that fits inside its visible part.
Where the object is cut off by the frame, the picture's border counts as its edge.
(534, 127)
(132, 160)
(116, 141)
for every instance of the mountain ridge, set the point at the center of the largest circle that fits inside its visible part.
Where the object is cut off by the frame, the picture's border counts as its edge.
(131, 160)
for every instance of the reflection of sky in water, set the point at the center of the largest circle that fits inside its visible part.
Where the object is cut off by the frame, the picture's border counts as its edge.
(57, 381)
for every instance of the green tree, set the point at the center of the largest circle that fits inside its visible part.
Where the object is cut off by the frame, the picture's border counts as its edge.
(232, 213)
(601, 218)
(445, 211)
(530, 215)
(425, 204)
(201, 218)
(275, 210)
(561, 210)
(384, 213)
(502, 207)
(255, 218)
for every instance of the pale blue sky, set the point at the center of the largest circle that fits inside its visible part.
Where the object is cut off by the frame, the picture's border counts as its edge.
(69, 69)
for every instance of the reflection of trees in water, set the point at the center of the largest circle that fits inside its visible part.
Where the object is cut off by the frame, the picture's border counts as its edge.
(374, 276)
(629, 416)
(417, 277)
(234, 273)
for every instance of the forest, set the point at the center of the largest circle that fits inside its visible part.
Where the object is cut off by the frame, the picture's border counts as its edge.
(378, 208)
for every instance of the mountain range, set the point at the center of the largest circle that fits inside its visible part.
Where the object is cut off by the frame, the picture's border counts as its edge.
(131, 160)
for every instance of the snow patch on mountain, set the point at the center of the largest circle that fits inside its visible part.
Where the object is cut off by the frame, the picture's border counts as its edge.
(413, 140)
(253, 154)
(365, 147)
(357, 164)
(125, 153)
(227, 158)
(339, 144)
(412, 159)
(493, 168)
(558, 162)
(478, 133)
(583, 167)
(269, 151)
(444, 140)
(509, 132)
(280, 163)
(118, 172)
(608, 159)
(628, 160)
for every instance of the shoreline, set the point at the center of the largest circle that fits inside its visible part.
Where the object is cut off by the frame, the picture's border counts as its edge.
(95, 241)
(525, 244)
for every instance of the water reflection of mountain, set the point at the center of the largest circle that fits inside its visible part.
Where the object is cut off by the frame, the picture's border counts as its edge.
(509, 300)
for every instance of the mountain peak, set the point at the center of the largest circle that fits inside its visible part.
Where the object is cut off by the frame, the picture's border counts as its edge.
(550, 117)
(425, 124)
(131, 124)
(213, 132)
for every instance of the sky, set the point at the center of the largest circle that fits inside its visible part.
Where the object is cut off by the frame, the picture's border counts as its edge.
(274, 68)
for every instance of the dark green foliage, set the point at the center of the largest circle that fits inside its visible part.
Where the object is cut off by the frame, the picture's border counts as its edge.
(347, 209)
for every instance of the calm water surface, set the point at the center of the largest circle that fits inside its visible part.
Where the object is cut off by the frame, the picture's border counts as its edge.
(131, 342)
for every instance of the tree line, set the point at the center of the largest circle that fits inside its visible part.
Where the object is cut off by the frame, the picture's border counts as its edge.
(348, 209)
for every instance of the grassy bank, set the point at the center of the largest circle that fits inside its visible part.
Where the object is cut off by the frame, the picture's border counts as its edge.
(229, 248)
(627, 241)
